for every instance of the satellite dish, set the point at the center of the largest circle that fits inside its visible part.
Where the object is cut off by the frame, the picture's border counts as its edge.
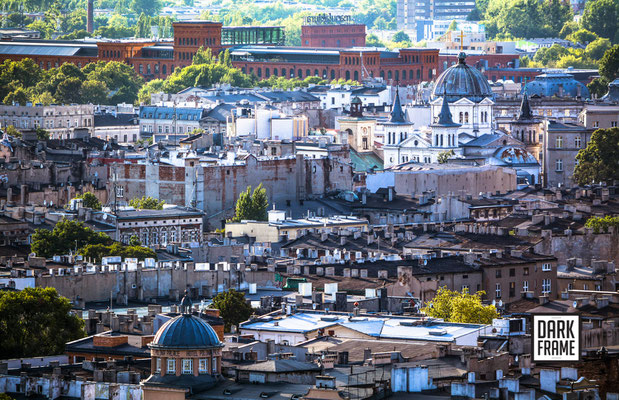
(104, 217)
(575, 304)
(494, 302)
(500, 303)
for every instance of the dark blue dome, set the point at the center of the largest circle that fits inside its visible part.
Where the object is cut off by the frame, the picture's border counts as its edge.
(462, 80)
(187, 332)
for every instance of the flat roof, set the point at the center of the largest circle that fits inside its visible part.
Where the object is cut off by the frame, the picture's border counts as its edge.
(387, 327)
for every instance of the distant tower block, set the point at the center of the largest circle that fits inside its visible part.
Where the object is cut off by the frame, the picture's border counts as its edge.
(90, 22)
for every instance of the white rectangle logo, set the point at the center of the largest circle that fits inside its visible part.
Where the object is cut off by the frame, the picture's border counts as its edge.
(556, 337)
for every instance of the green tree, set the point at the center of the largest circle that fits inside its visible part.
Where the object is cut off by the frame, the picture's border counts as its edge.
(549, 56)
(373, 41)
(12, 131)
(251, 206)
(42, 134)
(601, 224)
(148, 7)
(96, 252)
(598, 87)
(609, 64)
(460, 307)
(153, 86)
(45, 98)
(134, 241)
(233, 308)
(568, 28)
(68, 91)
(596, 49)
(203, 56)
(93, 92)
(601, 17)
(66, 236)
(599, 161)
(36, 322)
(453, 26)
(556, 13)
(401, 36)
(17, 96)
(119, 78)
(142, 28)
(90, 200)
(146, 203)
(444, 156)
(582, 36)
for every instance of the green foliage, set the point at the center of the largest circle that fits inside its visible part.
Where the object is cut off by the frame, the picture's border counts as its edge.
(66, 236)
(96, 83)
(98, 251)
(148, 7)
(550, 55)
(601, 224)
(150, 87)
(12, 131)
(609, 64)
(251, 206)
(582, 36)
(526, 18)
(206, 74)
(444, 156)
(599, 161)
(453, 26)
(373, 41)
(596, 49)
(401, 36)
(233, 308)
(90, 200)
(568, 28)
(36, 322)
(42, 134)
(598, 87)
(134, 241)
(460, 307)
(602, 17)
(78, 34)
(146, 203)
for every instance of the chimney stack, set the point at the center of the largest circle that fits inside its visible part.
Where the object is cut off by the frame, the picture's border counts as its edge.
(90, 19)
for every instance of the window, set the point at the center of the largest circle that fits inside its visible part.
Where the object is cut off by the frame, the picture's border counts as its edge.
(158, 365)
(584, 286)
(546, 267)
(512, 272)
(464, 287)
(512, 289)
(214, 365)
(203, 366)
(596, 124)
(559, 165)
(613, 124)
(570, 286)
(498, 291)
(577, 142)
(525, 286)
(546, 286)
(187, 366)
(498, 273)
(525, 271)
(120, 191)
(171, 366)
(559, 142)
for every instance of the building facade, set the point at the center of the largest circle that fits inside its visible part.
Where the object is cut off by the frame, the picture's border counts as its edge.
(339, 36)
(59, 121)
(562, 142)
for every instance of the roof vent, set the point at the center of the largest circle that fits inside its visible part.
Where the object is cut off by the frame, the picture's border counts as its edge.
(437, 332)
(329, 318)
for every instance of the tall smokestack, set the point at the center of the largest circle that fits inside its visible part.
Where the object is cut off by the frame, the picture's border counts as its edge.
(90, 22)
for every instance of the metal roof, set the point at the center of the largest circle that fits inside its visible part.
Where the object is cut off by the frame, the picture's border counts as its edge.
(41, 49)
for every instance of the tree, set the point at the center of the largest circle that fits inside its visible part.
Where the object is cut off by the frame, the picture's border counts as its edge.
(453, 26)
(550, 55)
(609, 64)
(459, 307)
(568, 28)
(251, 206)
(146, 203)
(42, 134)
(599, 161)
(601, 17)
(93, 92)
(401, 36)
(17, 96)
(66, 236)
(90, 200)
(119, 78)
(444, 156)
(582, 36)
(598, 87)
(203, 56)
(556, 13)
(596, 49)
(96, 252)
(148, 7)
(134, 241)
(373, 41)
(12, 131)
(232, 308)
(36, 322)
(601, 224)
(69, 91)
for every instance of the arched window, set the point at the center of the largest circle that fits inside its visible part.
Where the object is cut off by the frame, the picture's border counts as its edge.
(356, 75)
(316, 73)
(308, 73)
(332, 74)
(389, 76)
(300, 74)
(347, 75)
(441, 140)
(466, 117)
(164, 69)
(275, 71)
(410, 74)
(267, 72)
(461, 117)
(397, 75)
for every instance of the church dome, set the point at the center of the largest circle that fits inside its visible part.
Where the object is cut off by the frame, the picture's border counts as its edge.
(462, 80)
(186, 332)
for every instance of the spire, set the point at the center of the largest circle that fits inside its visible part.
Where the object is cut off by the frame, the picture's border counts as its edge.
(397, 115)
(444, 117)
(525, 108)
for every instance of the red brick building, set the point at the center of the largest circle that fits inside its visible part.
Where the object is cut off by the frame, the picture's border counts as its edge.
(338, 36)
(256, 50)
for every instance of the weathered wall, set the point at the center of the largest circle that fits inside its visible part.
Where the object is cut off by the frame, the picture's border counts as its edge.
(599, 246)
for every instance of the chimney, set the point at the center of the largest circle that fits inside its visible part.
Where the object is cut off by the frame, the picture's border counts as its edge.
(364, 198)
(342, 240)
(90, 26)
(390, 193)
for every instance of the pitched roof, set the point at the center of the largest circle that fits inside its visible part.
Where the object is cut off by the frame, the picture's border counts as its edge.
(397, 115)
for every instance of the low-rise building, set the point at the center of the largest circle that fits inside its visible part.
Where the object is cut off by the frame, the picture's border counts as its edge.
(58, 120)
(562, 142)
